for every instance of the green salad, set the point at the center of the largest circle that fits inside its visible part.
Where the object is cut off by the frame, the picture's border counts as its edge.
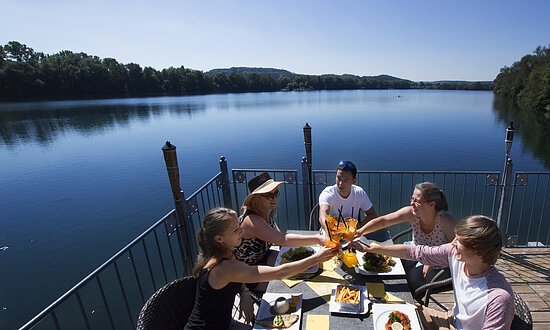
(296, 254)
(377, 262)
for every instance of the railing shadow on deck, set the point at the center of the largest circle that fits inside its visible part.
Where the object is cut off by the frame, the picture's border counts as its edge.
(523, 260)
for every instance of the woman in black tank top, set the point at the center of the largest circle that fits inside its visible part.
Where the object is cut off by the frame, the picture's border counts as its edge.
(220, 276)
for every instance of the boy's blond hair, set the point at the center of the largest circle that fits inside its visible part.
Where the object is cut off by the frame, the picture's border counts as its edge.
(480, 233)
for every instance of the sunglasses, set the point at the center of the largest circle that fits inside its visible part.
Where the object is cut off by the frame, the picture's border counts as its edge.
(417, 201)
(345, 163)
(270, 196)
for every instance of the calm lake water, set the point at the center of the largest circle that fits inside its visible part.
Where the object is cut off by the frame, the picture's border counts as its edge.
(80, 179)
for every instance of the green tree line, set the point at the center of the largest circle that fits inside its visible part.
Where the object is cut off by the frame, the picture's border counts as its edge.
(527, 82)
(25, 73)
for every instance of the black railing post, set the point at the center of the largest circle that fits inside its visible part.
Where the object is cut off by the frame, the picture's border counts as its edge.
(171, 159)
(226, 191)
(504, 202)
(305, 189)
(307, 143)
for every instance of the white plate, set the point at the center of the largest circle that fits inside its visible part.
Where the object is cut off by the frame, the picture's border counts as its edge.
(395, 270)
(284, 249)
(363, 309)
(381, 312)
(265, 308)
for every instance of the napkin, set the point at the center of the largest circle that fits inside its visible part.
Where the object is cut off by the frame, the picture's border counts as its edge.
(324, 283)
(390, 298)
(377, 290)
(322, 289)
(291, 283)
(328, 265)
(317, 322)
(328, 276)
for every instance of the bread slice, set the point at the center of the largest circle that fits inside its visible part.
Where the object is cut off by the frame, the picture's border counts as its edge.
(287, 321)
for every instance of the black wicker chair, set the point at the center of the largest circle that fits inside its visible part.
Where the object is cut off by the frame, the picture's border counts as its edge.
(395, 238)
(169, 307)
(522, 315)
(439, 283)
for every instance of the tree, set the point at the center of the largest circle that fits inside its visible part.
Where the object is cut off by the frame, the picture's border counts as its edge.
(527, 82)
(136, 83)
(117, 76)
(151, 80)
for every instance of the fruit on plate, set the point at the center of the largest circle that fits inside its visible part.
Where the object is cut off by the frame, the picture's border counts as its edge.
(279, 321)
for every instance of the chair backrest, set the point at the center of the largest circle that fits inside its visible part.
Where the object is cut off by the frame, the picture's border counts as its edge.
(522, 315)
(399, 237)
(314, 218)
(170, 306)
(441, 282)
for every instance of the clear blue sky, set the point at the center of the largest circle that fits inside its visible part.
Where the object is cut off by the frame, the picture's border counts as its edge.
(417, 40)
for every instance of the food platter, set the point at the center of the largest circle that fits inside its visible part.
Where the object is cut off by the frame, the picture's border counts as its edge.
(334, 307)
(397, 269)
(266, 309)
(381, 312)
(285, 249)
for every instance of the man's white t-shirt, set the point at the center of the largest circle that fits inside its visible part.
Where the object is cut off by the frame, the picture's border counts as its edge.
(356, 200)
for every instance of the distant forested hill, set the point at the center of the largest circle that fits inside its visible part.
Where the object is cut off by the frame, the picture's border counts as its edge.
(527, 82)
(276, 73)
(25, 73)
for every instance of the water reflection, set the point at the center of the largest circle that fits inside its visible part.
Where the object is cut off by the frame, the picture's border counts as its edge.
(533, 130)
(43, 123)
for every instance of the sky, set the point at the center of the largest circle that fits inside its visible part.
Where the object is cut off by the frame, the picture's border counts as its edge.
(420, 40)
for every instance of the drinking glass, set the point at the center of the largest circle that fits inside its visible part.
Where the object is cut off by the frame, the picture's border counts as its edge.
(350, 229)
(350, 259)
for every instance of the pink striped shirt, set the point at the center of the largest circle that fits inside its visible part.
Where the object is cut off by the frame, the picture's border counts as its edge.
(481, 302)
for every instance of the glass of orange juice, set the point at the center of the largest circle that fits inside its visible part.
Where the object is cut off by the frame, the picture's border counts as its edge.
(350, 229)
(331, 244)
(352, 223)
(334, 238)
(350, 259)
(332, 223)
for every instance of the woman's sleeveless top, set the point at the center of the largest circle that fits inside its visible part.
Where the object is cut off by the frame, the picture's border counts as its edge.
(434, 238)
(253, 251)
(213, 307)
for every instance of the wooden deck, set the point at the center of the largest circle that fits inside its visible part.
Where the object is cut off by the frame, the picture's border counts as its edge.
(528, 271)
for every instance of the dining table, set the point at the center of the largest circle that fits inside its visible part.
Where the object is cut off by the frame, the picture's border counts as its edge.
(316, 294)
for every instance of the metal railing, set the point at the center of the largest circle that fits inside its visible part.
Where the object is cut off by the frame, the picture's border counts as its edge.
(289, 215)
(528, 222)
(112, 295)
(467, 192)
